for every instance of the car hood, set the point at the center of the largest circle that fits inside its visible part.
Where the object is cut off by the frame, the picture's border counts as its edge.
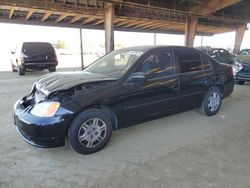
(243, 58)
(66, 80)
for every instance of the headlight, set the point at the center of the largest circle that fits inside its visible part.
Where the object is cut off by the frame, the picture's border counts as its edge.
(237, 67)
(45, 109)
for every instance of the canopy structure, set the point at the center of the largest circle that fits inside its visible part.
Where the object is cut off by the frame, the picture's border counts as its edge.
(204, 17)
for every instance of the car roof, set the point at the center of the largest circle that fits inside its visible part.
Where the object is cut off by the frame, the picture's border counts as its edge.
(36, 42)
(151, 47)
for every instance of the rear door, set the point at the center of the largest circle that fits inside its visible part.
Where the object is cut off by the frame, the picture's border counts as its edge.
(195, 77)
(158, 94)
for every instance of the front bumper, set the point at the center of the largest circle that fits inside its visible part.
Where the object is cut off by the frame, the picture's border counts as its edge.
(41, 131)
(242, 76)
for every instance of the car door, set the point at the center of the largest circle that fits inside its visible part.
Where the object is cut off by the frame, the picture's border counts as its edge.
(158, 94)
(195, 77)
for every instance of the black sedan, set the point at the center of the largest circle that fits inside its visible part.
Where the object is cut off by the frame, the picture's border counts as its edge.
(122, 88)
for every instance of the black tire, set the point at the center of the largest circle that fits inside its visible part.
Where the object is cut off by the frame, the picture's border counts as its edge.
(52, 70)
(206, 107)
(21, 71)
(77, 126)
(240, 82)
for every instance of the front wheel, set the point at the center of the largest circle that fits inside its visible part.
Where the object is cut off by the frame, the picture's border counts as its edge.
(240, 82)
(90, 131)
(212, 101)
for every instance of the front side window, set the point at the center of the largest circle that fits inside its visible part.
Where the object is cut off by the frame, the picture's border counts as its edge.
(189, 61)
(114, 64)
(158, 64)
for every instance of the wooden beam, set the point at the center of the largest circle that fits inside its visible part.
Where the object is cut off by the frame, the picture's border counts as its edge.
(61, 17)
(109, 27)
(142, 24)
(152, 24)
(99, 22)
(190, 30)
(29, 14)
(46, 16)
(133, 23)
(240, 31)
(88, 20)
(11, 13)
(212, 6)
(76, 18)
(121, 23)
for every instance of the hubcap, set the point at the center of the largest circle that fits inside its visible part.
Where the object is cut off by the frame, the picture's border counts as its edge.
(92, 132)
(213, 101)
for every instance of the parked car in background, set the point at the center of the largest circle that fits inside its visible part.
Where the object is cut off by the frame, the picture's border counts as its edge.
(33, 56)
(241, 67)
(124, 87)
(219, 54)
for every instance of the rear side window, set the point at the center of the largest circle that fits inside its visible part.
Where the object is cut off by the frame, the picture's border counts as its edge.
(189, 61)
(37, 47)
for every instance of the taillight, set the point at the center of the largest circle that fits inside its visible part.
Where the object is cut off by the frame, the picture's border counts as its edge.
(55, 57)
(23, 56)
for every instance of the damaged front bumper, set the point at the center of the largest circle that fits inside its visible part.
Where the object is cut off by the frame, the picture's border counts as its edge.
(43, 132)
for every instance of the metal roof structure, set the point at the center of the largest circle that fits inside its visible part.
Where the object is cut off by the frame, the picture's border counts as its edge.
(166, 16)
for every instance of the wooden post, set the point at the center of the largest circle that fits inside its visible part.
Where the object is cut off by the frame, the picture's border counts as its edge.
(190, 29)
(82, 62)
(240, 31)
(109, 27)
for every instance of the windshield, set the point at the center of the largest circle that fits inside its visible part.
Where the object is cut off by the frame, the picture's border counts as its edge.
(245, 52)
(114, 64)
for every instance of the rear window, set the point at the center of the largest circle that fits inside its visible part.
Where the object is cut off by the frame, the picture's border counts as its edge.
(37, 47)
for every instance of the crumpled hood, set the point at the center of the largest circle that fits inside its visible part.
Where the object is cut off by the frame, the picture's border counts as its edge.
(66, 80)
(243, 58)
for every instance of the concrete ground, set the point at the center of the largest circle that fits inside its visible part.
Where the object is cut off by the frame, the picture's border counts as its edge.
(186, 150)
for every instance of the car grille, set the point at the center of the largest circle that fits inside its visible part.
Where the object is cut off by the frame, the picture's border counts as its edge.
(39, 96)
(246, 68)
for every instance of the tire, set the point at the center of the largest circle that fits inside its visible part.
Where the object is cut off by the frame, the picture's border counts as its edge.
(52, 70)
(90, 131)
(240, 82)
(209, 107)
(21, 71)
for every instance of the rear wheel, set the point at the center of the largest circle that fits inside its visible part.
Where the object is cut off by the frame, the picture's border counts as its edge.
(21, 71)
(240, 82)
(90, 131)
(212, 101)
(52, 70)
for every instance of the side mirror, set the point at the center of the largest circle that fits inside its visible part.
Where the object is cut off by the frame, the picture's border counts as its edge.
(137, 77)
